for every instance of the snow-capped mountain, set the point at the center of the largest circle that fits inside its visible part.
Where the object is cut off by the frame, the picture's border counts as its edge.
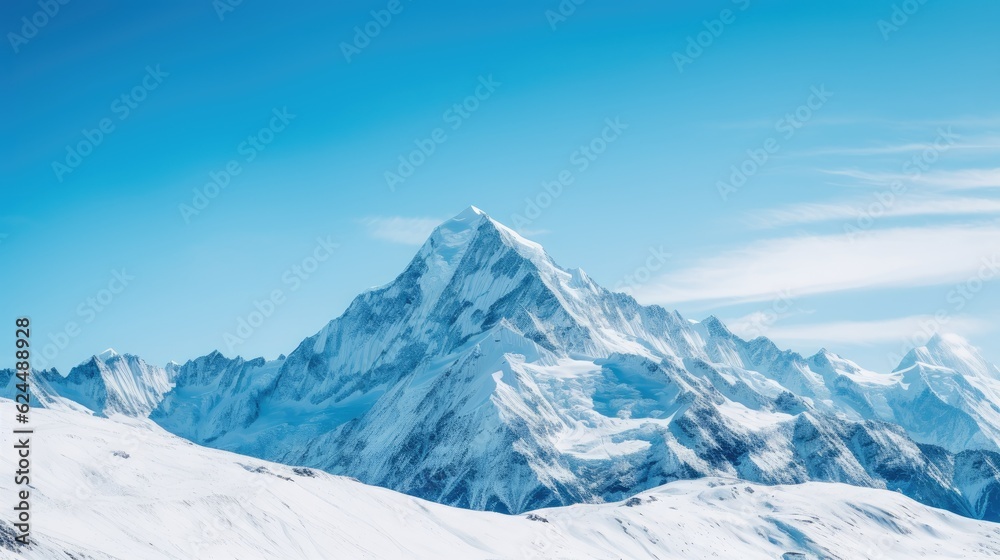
(941, 394)
(106, 384)
(488, 377)
(126, 489)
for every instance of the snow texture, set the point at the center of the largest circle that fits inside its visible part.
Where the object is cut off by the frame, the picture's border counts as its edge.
(124, 488)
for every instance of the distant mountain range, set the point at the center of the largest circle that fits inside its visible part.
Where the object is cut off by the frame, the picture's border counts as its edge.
(486, 376)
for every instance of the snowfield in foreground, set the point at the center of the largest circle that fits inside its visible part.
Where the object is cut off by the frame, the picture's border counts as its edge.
(125, 488)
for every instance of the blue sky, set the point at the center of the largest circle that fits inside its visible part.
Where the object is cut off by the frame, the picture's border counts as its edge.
(822, 173)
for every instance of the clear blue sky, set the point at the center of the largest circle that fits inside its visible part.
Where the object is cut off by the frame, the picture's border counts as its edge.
(833, 99)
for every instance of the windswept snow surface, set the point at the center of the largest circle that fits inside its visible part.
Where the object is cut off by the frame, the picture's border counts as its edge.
(122, 488)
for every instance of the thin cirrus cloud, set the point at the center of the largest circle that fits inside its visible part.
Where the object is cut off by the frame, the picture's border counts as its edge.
(884, 258)
(870, 332)
(979, 122)
(849, 212)
(988, 143)
(399, 229)
(958, 179)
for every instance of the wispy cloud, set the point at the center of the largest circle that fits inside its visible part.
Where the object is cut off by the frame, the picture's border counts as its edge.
(820, 121)
(807, 213)
(971, 122)
(941, 179)
(399, 229)
(899, 257)
(967, 121)
(762, 321)
(981, 144)
(872, 332)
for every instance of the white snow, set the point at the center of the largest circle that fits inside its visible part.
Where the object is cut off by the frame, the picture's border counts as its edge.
(505, 382)
(125, 489)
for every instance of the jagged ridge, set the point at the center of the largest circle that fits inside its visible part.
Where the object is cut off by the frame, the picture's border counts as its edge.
(486, 376)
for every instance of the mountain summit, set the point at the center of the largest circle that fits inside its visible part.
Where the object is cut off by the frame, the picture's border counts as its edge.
(487, 376)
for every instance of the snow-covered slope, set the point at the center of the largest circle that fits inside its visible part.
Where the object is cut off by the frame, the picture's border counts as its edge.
(944, 393)
(125, 489)
(948, 395)
(486, 376)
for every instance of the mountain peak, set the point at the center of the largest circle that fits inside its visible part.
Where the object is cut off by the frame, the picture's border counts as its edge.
(107, 354)
(470, 213)
(716, 327)
(946, 342)
(950, 351)
(446, 246)
(468, 219)
(449, 242)
(472, 217)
